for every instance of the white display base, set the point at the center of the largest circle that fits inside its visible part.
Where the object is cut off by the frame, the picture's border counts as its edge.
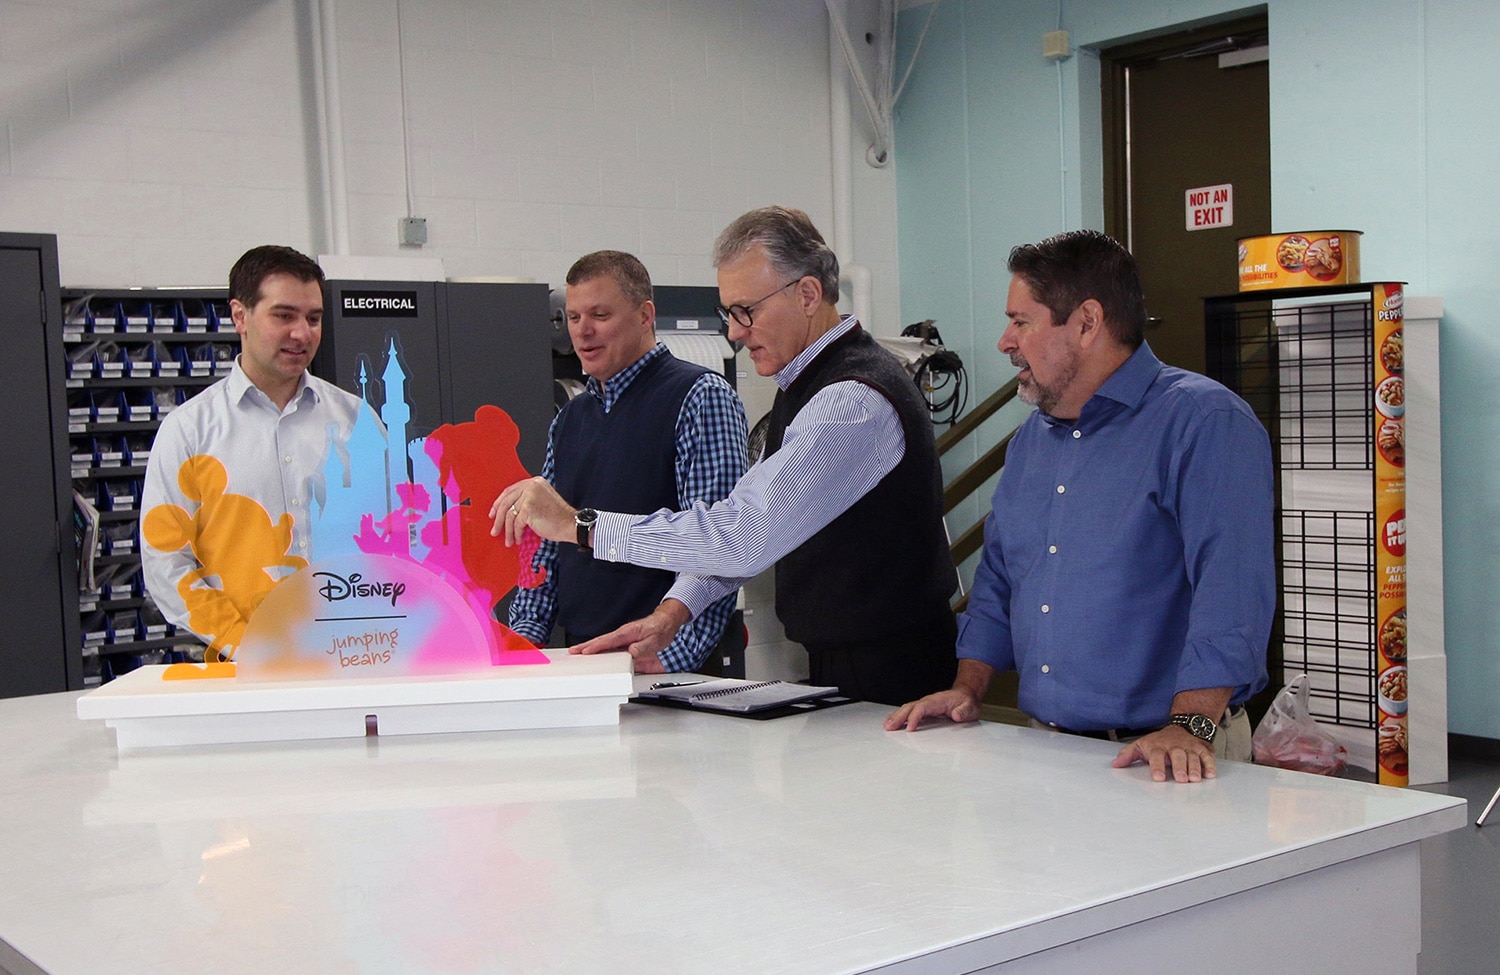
(571, 691)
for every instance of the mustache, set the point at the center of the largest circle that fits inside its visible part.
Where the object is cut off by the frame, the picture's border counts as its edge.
(1017, 360)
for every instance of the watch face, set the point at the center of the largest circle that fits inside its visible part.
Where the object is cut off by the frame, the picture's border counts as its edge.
(1197, 725)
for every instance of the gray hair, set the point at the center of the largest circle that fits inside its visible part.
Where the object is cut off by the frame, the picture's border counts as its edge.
(790, 241)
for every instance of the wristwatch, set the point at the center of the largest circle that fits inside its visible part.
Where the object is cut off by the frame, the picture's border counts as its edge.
(1197, 725)
(584, 519)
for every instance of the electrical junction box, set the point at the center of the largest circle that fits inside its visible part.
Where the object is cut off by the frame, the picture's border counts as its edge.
(413, 230)
(1055, 45)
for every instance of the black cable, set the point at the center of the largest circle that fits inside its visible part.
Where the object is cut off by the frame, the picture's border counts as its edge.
(944, 384)
(953, 387)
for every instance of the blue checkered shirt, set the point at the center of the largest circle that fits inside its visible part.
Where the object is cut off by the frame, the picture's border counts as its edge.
(711, 456)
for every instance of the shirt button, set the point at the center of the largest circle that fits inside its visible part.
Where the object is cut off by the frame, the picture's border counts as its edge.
(302, 544)
(1077, 434)
(295, 502)
(1046, 608)
(1051, 549)
(288, 459)
(611, 550)
(1046, 669)
(1061, 489)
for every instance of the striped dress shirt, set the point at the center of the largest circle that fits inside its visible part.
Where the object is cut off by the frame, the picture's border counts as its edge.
(835, 450)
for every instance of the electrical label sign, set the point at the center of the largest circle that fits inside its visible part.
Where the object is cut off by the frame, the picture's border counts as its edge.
(378, 304)
(1210, 206)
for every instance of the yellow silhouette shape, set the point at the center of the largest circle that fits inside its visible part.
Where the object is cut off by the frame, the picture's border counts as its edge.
(207, 671)
(232, 537)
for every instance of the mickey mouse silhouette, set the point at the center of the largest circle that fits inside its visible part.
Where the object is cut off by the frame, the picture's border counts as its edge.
(233, 538)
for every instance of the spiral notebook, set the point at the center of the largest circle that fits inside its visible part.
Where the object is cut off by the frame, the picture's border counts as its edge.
(735, 696)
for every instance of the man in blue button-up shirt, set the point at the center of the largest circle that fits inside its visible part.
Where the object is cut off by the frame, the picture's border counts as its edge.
(1128, 572)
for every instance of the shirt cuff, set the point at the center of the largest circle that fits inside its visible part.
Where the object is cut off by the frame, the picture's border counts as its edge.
(612, 536)
(986, 642)
(697, 593)
(530, 631)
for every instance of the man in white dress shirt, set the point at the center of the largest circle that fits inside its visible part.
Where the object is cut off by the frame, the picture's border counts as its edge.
(233, 471)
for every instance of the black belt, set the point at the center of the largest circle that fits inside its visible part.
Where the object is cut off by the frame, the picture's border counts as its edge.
(1125, 734)
(1108, 734)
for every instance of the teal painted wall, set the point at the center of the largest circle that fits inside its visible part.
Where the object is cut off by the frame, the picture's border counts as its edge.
(1382, 119)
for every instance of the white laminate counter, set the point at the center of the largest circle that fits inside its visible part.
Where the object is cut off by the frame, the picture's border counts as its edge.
(686, 842)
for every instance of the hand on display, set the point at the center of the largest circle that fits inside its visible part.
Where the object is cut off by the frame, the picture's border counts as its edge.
(536, 504)
(955, 705)
(1191, 758)
(642, 638)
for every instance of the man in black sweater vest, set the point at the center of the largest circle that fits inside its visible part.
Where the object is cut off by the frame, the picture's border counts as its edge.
(649, 431)
(846, 502)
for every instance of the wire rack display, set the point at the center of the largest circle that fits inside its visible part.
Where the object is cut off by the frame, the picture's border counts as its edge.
(1328, 606)
(1306, 367)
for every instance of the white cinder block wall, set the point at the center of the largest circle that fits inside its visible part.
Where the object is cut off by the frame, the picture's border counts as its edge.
(160, 138)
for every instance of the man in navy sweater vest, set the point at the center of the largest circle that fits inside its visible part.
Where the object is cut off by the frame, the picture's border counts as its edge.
(846, 503)
(649, 432)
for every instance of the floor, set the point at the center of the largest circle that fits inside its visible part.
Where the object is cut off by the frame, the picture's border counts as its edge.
(1461, 879)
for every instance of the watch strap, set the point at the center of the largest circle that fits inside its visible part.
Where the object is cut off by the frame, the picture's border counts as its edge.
(584, 520)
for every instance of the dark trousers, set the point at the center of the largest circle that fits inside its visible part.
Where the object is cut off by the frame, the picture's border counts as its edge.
(893, 668)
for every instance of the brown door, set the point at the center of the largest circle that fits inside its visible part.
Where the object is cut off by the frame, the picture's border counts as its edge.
(1178, 121)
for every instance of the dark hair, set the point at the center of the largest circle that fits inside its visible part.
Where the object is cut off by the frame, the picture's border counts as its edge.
(791, 242)
(627, 270)
(1066, 270)
(259, 263)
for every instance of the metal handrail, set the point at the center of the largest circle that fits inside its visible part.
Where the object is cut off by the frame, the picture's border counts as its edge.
(1002, 693)
(971, 420)
(973, 477)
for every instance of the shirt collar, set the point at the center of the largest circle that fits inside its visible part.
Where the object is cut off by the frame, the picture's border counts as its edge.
(1127, 385)
(609, 393)
(240, 386)
(793, 369)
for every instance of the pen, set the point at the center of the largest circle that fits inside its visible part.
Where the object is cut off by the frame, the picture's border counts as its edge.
(689, 683)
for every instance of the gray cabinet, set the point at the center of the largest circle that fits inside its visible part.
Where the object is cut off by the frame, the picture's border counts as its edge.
(38, 575)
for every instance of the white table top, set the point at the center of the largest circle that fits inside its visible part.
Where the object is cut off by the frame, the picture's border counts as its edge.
(675, 842)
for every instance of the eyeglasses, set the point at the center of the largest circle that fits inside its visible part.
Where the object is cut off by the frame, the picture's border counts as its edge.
(744, 314)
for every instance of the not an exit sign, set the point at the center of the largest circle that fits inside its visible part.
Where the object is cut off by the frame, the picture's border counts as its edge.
(1210, 206)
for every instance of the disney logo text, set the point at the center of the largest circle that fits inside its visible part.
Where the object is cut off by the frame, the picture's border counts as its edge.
(336, 587)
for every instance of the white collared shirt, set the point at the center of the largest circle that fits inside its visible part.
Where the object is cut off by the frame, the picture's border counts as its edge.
(274, 457)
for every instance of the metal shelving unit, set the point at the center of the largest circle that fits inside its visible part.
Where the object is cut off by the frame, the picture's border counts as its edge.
(132, 357)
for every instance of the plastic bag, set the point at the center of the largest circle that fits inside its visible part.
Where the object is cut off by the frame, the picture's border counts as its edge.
(1288, 737)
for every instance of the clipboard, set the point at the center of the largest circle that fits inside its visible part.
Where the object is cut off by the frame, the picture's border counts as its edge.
(760, 700)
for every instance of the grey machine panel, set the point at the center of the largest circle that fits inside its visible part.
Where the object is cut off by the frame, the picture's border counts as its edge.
(464, 346)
